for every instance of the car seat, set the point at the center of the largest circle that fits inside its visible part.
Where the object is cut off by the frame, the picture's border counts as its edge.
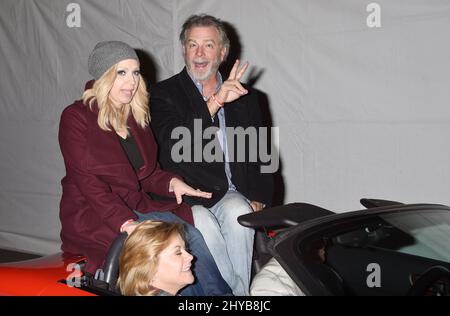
(278, 219)
(110, 272)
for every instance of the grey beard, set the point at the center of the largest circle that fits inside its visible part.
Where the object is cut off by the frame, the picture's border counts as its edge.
(212, 71)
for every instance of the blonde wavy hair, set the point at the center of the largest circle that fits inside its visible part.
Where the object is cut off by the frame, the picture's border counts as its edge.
(140, 255)
(109, 117)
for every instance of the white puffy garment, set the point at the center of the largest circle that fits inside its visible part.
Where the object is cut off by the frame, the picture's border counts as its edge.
(273, 280)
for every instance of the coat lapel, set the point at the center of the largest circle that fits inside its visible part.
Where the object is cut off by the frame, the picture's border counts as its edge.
(147, 147)
(107, 157)
(105, 154)
(194, 96)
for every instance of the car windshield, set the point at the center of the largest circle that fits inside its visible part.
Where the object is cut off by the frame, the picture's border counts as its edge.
(424, 234)
(431, 233)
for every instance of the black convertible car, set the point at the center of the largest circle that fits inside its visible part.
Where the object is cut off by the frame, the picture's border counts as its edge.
(389, 248)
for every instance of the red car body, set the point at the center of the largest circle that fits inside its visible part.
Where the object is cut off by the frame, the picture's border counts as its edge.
(46, 276)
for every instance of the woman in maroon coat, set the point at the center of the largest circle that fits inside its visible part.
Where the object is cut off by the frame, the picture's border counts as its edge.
(110, 158)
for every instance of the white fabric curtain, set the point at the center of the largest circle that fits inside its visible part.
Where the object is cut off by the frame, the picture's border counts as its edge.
(362, 111)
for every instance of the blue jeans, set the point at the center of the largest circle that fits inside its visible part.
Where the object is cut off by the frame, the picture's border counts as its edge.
(230, 244)
(208, 280)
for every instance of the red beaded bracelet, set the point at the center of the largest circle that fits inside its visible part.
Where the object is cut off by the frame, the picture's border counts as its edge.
(219, 104)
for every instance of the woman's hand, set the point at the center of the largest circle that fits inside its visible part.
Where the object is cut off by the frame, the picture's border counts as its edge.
(130, 227)
(179, 188)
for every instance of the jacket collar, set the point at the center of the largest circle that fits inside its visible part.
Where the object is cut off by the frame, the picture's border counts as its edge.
(194, 96)
(198, 105)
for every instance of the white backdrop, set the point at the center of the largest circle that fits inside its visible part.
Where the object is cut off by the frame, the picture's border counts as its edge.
(362, 112)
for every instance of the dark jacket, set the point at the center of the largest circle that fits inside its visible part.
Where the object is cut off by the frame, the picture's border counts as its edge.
(177, 102)
(101, 189)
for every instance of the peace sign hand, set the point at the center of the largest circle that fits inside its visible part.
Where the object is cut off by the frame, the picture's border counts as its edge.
(232, 89)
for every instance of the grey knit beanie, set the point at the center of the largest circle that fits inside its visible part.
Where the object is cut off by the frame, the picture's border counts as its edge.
(107, 54)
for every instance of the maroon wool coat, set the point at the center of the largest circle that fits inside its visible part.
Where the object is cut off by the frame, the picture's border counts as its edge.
(101, 189)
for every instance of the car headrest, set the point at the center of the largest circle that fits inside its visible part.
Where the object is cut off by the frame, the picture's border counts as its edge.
(371, 203)
(111, 267)
(283, 216)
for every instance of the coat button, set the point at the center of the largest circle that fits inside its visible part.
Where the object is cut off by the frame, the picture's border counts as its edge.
(217, 188)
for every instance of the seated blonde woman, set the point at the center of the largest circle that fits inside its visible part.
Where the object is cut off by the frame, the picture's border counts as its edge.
(154, 261)
(110, 156)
